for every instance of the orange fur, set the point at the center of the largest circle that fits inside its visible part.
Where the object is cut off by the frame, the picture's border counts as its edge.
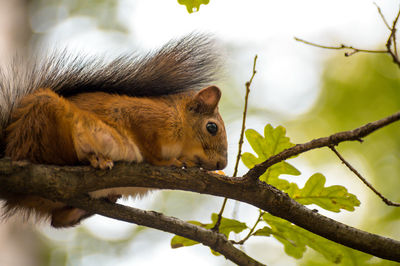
(101, 128)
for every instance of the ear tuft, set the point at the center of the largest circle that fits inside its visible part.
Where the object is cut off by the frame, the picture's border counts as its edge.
(208, 98)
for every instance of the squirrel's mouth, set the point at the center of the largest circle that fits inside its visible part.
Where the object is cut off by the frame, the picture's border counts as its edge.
(210, 165)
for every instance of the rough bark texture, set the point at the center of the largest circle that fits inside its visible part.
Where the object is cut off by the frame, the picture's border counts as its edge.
(218, 242)
(69, 183)
(332, 140)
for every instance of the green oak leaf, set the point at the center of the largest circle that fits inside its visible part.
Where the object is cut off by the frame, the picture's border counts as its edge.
(193, 5)
(266, 231)
(226, 227)
(296, 239)
(180, 241)
(333, 198)
(273, 142)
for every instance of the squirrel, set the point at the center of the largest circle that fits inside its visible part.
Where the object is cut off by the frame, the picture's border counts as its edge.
(69, 110)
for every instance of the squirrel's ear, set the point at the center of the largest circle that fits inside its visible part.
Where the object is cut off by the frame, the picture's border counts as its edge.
(207, 98)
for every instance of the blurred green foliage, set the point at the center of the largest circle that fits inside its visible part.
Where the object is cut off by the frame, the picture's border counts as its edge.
(355, 91)
(103, 12)
(80, 243)
(295, 239)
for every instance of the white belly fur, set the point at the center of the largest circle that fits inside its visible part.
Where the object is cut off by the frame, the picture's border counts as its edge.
(124, 191)
(171, 151)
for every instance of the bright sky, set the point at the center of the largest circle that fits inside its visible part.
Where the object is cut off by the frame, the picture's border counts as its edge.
(288, 71)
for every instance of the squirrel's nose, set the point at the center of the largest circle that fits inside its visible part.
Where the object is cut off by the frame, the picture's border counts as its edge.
(221, 164)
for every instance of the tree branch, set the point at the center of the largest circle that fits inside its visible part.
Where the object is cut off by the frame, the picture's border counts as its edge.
(217, 242)
(241, 242)
(342, 47)
(391, 40)
(383, 17)
(66, 183)
(333, 140)
(387, 201)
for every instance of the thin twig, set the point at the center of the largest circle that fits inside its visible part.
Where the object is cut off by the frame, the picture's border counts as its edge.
(395, 44)
(394, 33)
(383, 17)
(241, 242)
(387, 201)
(246, 100)
(221, 211)
(341, 47)
(351, 135)
(391, 40)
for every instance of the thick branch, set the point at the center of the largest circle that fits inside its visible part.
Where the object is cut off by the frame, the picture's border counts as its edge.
(66, 183)
(214, 240)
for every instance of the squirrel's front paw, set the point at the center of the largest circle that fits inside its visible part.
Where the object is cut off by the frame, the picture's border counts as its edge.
(173, 162)
(100, 161)
(177, 163)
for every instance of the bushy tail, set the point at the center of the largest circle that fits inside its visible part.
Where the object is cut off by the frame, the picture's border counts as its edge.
(185, 64)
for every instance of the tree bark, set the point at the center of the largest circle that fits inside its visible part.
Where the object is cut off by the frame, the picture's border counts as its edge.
(68, 183)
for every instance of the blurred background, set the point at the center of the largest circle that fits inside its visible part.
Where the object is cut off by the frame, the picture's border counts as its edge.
(312, 92)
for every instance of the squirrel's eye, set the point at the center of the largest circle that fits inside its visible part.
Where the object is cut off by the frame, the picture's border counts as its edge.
(212, 128)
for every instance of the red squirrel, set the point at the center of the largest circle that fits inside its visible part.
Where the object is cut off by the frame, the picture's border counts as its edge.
(159, 109)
